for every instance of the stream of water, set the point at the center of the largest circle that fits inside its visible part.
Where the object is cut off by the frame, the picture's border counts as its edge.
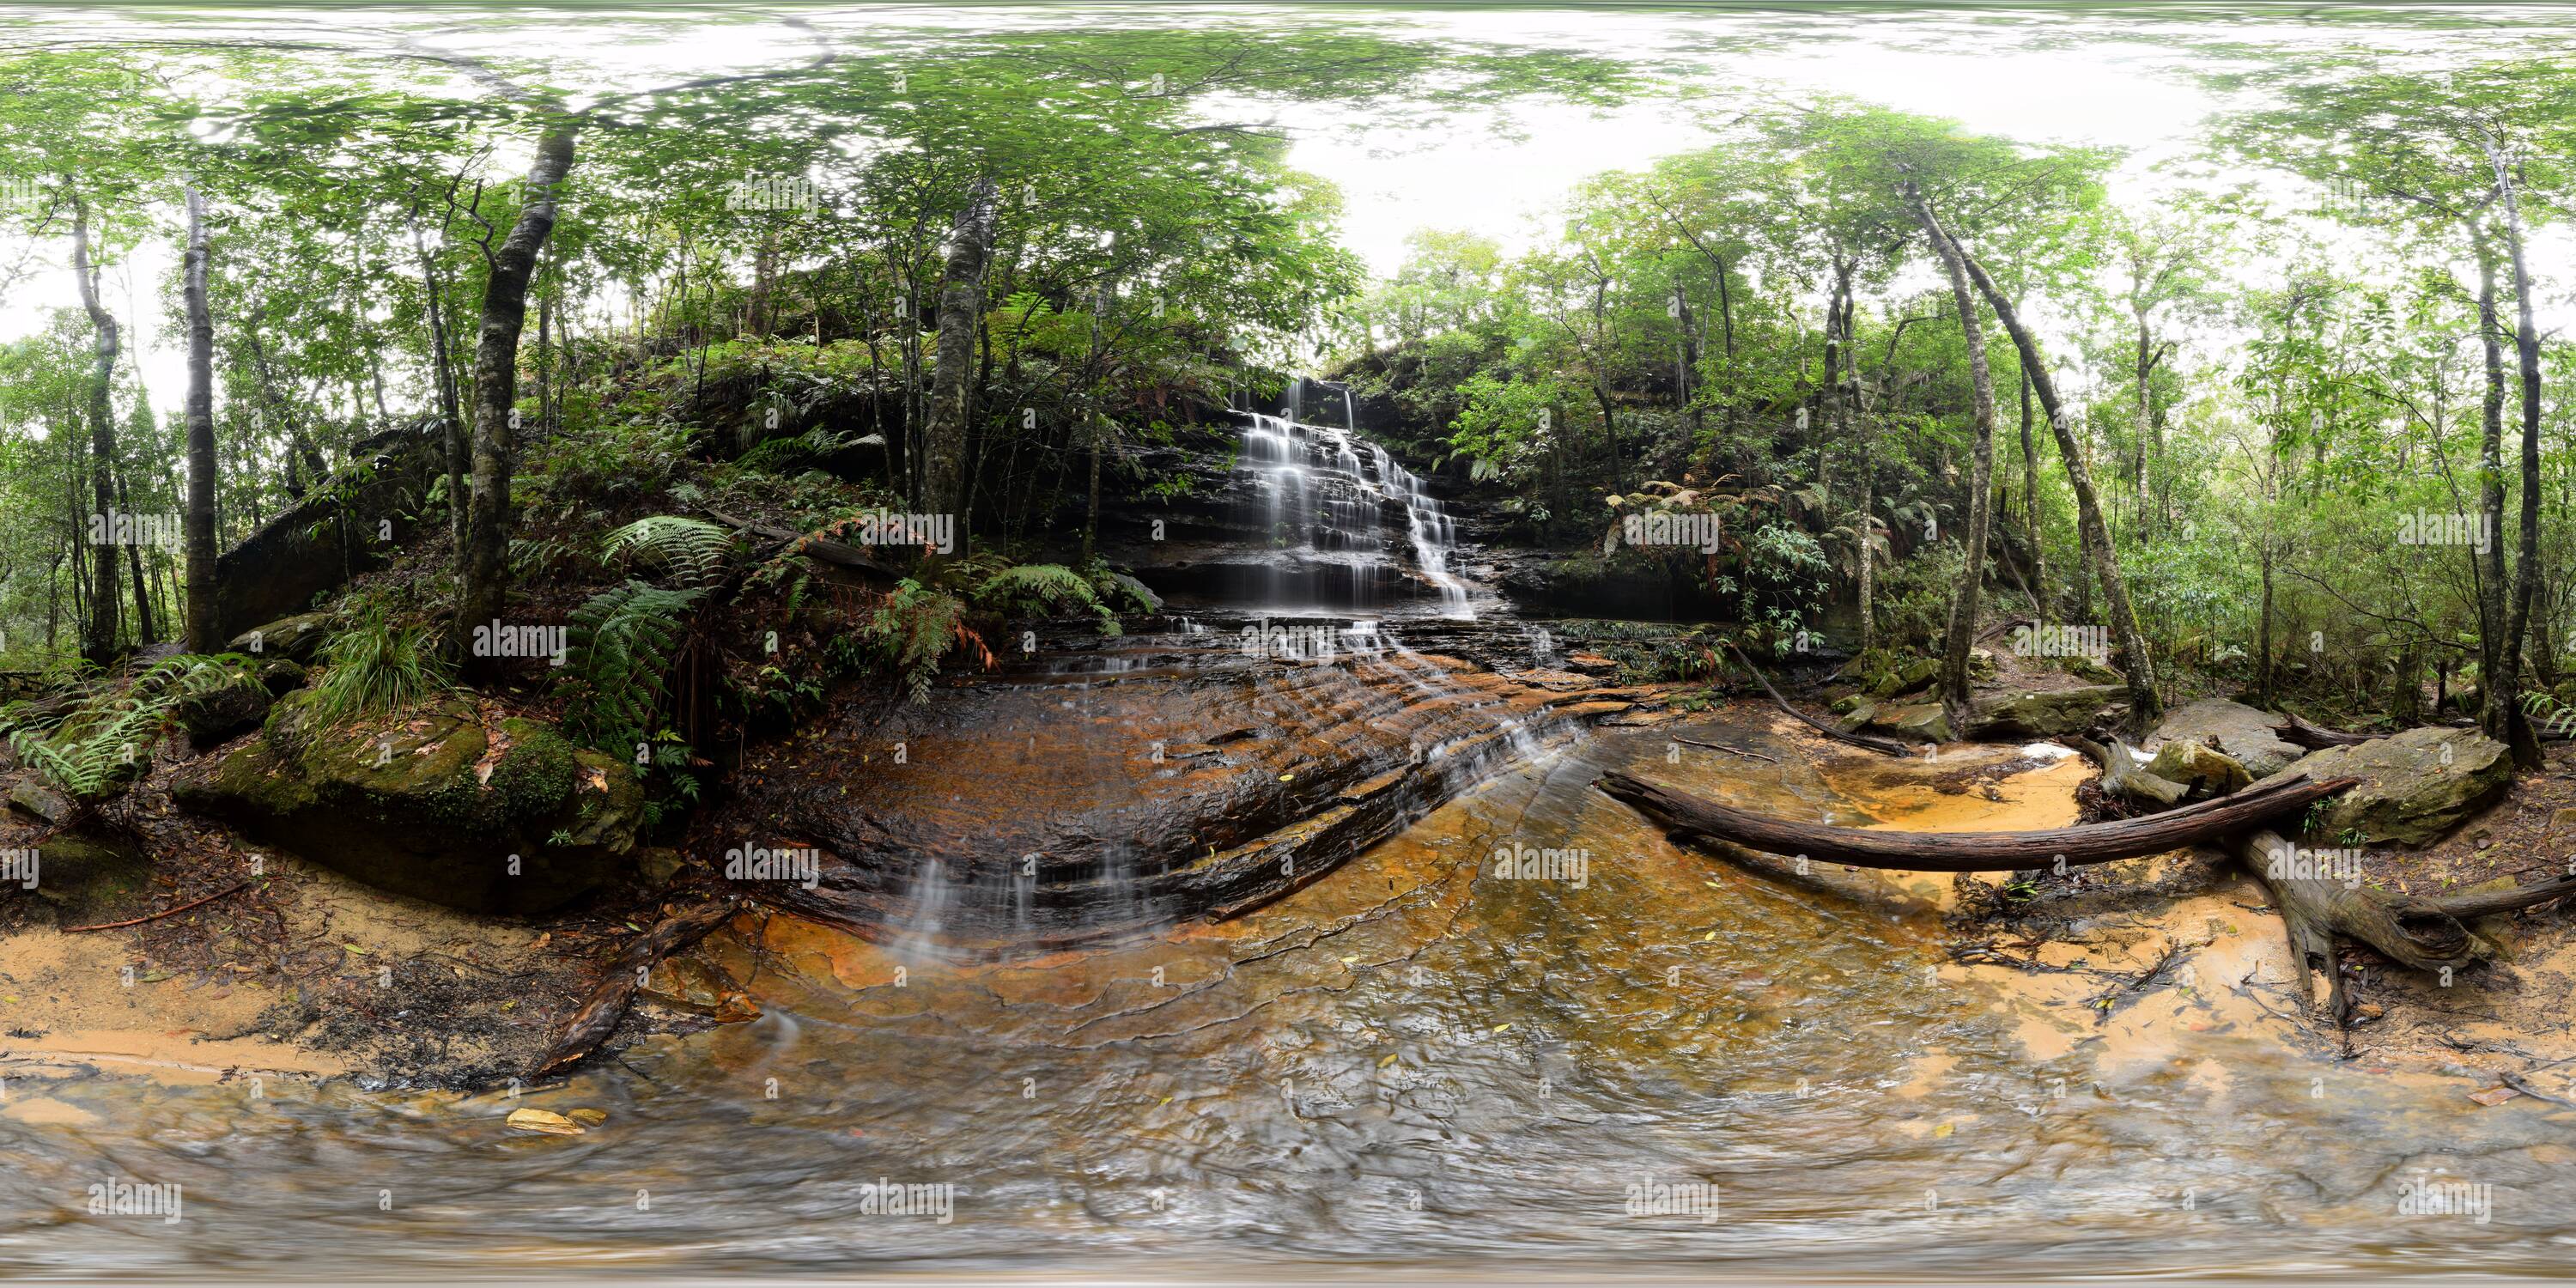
(1417, 1062)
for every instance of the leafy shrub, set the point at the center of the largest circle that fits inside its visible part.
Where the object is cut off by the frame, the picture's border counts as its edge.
(377, 666)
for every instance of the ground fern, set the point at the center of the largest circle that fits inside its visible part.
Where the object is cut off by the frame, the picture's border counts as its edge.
(622, 646)
(100, 747)
(691, 551)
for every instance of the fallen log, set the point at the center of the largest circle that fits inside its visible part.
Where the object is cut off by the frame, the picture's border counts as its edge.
(2300, 733)
(1883, 746)
(1692, 821)
(598, 1014)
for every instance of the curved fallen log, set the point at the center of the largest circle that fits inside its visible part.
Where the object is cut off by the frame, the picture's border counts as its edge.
(1690, 820)
(1883, 746)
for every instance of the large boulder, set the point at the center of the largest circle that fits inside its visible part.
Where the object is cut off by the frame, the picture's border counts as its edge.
(2051, 714)
(432, 805)
(2247, 733)
(334, 532)
(217, 713)
(295, 639)
(2415, 786)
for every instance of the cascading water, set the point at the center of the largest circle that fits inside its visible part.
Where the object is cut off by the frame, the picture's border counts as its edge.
(1324, 506)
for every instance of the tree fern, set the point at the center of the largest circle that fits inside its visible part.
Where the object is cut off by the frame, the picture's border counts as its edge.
(622, 644)
(102, 746)
(692, 551)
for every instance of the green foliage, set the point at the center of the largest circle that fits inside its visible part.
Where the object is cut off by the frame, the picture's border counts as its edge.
(621, 646)
(1044, 590)
(376, 665)
(100, 747)
(690, 551)
(911, 629)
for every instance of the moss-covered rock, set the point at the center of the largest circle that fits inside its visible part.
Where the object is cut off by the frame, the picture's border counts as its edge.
(282, 676)
(431, 805)
(295, 638)
(2249, 734)
(2049, 714)
(2414, 786)
(212, 715)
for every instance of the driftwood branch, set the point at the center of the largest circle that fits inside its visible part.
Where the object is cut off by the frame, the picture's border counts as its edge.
(1696, 822)
(2300, 733)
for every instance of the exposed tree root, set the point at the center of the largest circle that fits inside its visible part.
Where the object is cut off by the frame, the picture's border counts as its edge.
(1883, 746)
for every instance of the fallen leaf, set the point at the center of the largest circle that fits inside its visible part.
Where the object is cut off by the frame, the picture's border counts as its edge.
(2493, 1096)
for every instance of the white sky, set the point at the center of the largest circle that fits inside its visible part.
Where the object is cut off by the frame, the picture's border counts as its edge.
(2069, 87)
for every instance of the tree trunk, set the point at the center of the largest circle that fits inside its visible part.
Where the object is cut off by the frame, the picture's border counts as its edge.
(144, 632)
(205, 618)
(2526, 579)
(952, 395)
(2144, 704)
(1867, 435)
(2030, 499)
(1696, 822)
(2498, 666)
(99, 631)
(1955, 697)
(496, 378)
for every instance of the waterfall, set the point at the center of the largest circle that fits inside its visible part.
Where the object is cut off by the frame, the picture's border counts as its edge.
(1325, 498)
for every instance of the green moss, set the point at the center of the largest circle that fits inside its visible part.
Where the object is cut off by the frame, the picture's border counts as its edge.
(535, 774)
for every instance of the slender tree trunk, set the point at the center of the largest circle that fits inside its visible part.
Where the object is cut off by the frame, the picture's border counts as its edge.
(2146, 369)
(1867, 525)
(2526, 580)
(205, 618)
(1956, 701)
(98, 634)
(2030, 498)
(2498, 668)
(952, 399)
(496, 377)
(2144, 704)
(144, 633)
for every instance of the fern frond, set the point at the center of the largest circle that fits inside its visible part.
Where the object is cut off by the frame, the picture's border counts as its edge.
(692, 551)
(621, 646)
(103, 745)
